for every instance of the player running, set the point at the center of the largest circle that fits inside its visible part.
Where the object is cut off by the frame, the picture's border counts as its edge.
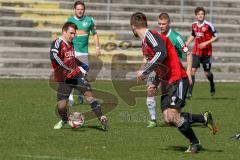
(182, 51)
(203, 34)
(163, 60)
(69, 74)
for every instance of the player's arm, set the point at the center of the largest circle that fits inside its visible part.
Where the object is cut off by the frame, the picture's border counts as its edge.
(54, 51)
(159, 47)
(190, 38)
(185, 50)
(95, 38)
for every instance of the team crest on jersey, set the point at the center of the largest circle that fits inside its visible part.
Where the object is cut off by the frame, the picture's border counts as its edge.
(85, 24)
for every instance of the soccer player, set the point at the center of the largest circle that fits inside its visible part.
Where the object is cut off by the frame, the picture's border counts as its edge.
(182, 50)
(162, 58)
(85, 25)
(203, 34)
(69, 74)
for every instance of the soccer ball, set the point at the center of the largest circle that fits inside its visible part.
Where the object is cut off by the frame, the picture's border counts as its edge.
(76, 119)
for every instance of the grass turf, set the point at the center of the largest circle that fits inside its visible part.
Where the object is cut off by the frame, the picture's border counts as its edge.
(27, 117)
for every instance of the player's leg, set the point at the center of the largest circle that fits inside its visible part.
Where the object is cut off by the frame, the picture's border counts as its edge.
(85, 88)
(206, 119)
(62, 96)
(171, 104)
(151, 101)
(173, 116)
(195, 66)
(207, 71)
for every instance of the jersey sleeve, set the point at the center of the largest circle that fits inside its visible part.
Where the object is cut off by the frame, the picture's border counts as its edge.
(69, 19)
(159, 47)
(93, 26)
(213, 30)
(54, 54)
(181, 45)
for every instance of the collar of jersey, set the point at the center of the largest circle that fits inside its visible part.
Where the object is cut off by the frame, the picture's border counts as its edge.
(201, 24)
(79, 19)
(169, 32)
(63, 40)
(145, 34)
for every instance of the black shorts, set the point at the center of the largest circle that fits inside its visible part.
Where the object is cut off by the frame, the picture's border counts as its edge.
(205, 60)
(65, 88)
(174, 95)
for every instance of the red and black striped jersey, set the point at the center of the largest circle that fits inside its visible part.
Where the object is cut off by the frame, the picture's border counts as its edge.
(202, 33)
(62, 59)
(162, 57)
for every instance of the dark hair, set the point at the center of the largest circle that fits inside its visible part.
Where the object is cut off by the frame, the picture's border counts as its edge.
(67, 25)
(138, 20)
(198, 9)
(164, 16)
(79, 3)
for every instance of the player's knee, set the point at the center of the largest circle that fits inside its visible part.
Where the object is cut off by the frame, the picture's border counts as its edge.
(207, 73)
(194, 70)
(167, 117)
(151, 91)
(62, 103)
(89, 96)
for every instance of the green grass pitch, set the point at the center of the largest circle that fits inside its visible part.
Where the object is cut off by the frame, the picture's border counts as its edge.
(27, 117)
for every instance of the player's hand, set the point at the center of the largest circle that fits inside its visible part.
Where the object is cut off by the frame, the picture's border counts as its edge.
(98, 51)
(140, 76)
(202, 45)
(73, 73)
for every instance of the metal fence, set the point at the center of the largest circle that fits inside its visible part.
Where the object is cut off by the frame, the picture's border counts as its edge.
(181, 10)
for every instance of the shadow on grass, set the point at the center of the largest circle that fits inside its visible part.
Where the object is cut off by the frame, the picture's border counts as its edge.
(215, 98)
(94, 127)
(85, 128)
(183, 149)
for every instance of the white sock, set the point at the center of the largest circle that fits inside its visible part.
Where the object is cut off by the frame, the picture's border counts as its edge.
(70, 98)
(151, 104)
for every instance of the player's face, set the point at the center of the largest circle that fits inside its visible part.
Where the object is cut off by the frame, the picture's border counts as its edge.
(69, 34)
(163, 24)
(134, 32)
(200, 16)
(79, 11)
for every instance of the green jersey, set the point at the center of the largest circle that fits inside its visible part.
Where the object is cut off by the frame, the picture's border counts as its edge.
(85, 25)
(178, 42)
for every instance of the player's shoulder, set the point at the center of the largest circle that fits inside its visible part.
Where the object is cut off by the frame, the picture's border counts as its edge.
(156, 34)
(208, 23)
(174, 33)
(57, 42)
(194, 23)
(70, 19)
(89, 18)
